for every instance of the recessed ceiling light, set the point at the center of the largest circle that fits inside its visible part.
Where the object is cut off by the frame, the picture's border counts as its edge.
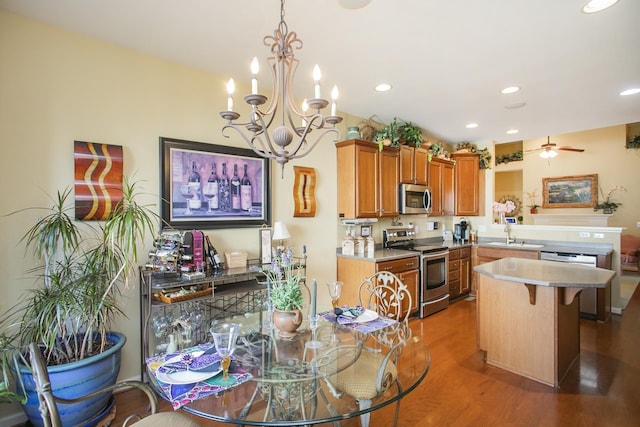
(631, 91)
(512, 131)
(472, 125)
(516, 105)
(594, 6)
(510, 89)
(383, 87)
(353, 4)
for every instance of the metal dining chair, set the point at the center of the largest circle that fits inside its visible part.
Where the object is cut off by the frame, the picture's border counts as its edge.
(376, 369)
(51, 417)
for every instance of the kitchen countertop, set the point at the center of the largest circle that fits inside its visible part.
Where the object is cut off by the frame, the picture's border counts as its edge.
(546, 273)
(382, 254)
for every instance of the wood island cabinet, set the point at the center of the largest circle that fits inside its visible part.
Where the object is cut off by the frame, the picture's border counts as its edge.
(368, 180)
(459, 272)
(441, 181)
(413, 165)
(352, 271)
(469, 184)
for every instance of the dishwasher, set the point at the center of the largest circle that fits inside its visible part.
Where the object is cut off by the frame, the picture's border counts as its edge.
(588, 297)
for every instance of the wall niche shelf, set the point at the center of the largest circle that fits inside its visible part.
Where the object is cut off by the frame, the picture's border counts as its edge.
(508, 152)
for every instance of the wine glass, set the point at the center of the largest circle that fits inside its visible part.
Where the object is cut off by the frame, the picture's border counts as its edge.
(188, 193)
(210, 191)
(313, 325)
(334, 292)
(224, 338)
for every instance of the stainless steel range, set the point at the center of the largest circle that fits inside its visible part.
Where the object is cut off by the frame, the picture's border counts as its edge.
(434, 260)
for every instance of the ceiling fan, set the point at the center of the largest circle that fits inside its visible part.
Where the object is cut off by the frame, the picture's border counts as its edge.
(550, 150)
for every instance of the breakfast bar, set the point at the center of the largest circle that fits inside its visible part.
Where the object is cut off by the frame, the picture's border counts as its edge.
(528, 314)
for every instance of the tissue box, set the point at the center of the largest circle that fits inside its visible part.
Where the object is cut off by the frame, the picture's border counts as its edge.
(236, 259)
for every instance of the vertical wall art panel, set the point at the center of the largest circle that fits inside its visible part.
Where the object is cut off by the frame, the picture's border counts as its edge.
(304, 197)
(98, 179)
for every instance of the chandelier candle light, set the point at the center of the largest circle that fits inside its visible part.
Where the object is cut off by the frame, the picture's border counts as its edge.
(283, 66)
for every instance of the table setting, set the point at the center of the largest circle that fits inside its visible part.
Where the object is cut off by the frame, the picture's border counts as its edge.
(199, 371)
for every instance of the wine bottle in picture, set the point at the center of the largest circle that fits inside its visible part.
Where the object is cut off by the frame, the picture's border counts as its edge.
(211, 190)
(235, 189)
(246, 197)
(194, 182)
(224, 190)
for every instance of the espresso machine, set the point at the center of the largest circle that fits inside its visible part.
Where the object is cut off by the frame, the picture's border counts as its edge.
(461, 231)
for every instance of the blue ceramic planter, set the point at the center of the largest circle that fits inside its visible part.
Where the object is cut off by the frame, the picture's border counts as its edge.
(76, 379)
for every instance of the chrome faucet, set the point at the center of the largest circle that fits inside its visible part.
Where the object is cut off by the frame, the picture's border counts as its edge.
(507, 230)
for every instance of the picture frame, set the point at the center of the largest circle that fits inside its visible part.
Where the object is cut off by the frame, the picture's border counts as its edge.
(578, 191)
(189, 204)
(265, 244)
(304, 198)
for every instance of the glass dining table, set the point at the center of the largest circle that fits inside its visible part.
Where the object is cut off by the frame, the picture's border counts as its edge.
(290, 381)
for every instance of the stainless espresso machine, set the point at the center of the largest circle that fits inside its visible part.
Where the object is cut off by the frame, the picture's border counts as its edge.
(461, 231)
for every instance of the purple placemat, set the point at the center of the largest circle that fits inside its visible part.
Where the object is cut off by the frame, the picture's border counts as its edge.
(368, 327)
(183, 394)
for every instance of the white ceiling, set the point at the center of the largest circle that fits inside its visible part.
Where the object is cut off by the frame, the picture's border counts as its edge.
(447, 60)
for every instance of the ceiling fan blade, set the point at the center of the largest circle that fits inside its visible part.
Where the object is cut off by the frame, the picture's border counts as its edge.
(577, 150)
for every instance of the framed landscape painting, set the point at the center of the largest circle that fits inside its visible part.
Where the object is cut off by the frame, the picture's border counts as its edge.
(579, 191)
(213, 186)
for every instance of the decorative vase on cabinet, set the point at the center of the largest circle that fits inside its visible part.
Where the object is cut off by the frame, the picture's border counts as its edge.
(353, 132)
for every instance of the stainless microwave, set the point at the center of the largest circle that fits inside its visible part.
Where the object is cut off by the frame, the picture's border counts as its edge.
(415, 199)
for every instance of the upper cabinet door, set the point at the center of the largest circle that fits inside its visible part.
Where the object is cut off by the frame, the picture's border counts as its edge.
(389, 182)
(468, 189)
(413, 165)
(368, 180)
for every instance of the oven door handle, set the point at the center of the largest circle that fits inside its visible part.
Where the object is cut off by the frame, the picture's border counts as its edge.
(446, 296)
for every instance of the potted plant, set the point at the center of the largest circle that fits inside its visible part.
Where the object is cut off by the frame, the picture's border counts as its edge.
(283, 282)
(609, 206)
(533, 206)
(69, 314)
(389, 135)
(411, 135)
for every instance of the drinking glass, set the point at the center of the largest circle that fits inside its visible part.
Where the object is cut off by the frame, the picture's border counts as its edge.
(210, 191)
(224, 337)
(188, 193)
(334, 292)
(313, 325)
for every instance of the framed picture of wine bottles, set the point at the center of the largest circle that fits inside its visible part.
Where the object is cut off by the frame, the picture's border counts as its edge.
(213, 186)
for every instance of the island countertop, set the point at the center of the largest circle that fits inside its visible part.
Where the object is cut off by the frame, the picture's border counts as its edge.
(546, 273)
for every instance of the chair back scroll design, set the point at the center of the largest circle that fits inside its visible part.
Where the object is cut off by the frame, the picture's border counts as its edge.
(387, 295)
(376, 370)
(48, 402)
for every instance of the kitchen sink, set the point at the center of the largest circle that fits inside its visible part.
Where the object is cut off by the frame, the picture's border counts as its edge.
(515, 245)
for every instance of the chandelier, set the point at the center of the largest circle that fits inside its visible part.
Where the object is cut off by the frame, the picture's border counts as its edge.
(291, 126)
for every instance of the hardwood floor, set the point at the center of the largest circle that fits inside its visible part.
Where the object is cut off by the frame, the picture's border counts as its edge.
(601, 389)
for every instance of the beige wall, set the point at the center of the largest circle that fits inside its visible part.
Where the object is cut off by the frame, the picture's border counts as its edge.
(57, 87)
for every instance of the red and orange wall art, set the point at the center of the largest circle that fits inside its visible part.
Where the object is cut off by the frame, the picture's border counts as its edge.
(98, 179)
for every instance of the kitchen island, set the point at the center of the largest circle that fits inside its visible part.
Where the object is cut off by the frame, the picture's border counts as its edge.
(528, 314)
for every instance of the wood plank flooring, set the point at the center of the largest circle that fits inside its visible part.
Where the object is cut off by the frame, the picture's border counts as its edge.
(601, 389)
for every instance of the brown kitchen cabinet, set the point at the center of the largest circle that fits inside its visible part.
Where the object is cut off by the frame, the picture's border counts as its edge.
(441, 181)
(352, 271)
(413, 165)
(368, 180)
(459, 272)
(469, 184)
